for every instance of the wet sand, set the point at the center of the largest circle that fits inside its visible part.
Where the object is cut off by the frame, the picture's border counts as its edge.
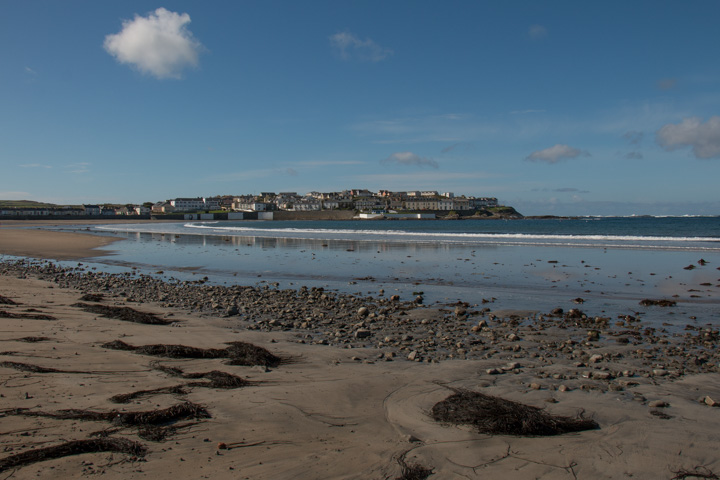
(19, 238)
(331, 411)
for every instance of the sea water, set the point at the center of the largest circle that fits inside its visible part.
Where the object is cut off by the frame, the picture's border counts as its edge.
(611, 263)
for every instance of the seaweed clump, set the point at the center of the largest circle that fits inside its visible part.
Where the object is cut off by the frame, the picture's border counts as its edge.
(26, 367)
(497, 416)
(181, 411)
(125, 314)
(657, 303)
(92, 297)
(29, 316)
(76, 447)
(237, 353)
(7, 301)
(413, 472)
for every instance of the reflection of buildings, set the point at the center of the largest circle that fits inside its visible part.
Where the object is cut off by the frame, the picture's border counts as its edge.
(266, 242)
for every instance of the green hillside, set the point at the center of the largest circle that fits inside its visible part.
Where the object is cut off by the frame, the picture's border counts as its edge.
(24, 204)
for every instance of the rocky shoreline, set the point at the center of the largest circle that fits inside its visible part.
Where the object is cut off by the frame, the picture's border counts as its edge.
(595, 352)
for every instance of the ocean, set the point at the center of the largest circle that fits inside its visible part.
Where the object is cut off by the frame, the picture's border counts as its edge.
(607, 263)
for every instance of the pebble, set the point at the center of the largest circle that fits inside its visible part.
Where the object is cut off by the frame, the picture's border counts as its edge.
(344, 320)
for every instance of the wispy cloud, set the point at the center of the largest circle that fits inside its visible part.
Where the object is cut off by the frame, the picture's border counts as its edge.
(34, 165)
(410, 159)
(81, 167)
(525, 112)
(634, 156)
(30, 71)
(570, 190)
(459, 146)
(415, 180)
(537, 32)
(556, 153)
(703, 138)
(328, 163)
(667, 83)
(350, 47)
(446, 128)
(633, 137)
(159, 44)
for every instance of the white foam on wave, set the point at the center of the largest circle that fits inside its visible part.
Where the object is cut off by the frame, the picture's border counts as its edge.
(447, 235)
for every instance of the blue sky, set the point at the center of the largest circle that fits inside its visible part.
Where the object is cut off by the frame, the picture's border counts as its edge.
(553, 107)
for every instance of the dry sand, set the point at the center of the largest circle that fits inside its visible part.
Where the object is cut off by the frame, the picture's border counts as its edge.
(328, 413)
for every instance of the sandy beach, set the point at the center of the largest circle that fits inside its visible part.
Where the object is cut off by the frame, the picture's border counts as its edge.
(352, 391)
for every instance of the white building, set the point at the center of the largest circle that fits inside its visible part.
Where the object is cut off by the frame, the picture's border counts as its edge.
(188, 204)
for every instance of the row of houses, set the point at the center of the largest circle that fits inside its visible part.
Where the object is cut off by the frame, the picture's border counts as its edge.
(69, 211)
(358, 199)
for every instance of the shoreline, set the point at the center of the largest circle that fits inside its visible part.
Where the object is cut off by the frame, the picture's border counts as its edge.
(18, 238)
(649, 391)
(53, 245)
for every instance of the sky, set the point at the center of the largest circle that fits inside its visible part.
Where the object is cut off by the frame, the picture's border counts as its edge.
(558, 107)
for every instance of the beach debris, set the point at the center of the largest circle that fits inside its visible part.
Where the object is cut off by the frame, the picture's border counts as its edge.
(7, 301)
(26, 367)
(92, 297)
(128, 397)
(32, 339)
(689, 267)
(413, 471)
(702, 262)
(498, 416)
(76, 447)
(125, 314)
(29, 316)
(657, 303)
(697, 472)
(237, 353)
(157, 418)
(660, 415)
(217, 379)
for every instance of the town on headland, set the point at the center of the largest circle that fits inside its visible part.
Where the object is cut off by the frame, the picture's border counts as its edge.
(344, 205)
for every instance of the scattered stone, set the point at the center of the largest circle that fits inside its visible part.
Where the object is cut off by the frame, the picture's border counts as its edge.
(362, 333)
(659, 303)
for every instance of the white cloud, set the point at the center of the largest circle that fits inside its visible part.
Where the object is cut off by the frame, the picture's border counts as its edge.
(159, 44)
(704, 138)
(350, 47)
(556, 153)
(409, 158)
(537, 32)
